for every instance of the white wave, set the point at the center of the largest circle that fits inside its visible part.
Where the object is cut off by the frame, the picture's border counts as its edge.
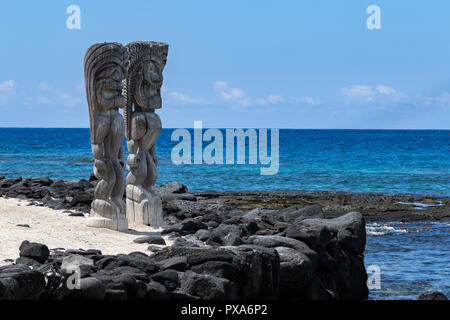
(422, 205)
(376, 229)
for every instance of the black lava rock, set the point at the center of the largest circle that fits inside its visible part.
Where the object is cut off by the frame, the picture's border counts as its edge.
(35, 251)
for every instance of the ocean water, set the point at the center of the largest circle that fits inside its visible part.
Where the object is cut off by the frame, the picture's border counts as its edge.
(346, 160)
(413, 257)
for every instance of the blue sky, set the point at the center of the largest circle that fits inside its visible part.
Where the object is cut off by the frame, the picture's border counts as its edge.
(276, 64)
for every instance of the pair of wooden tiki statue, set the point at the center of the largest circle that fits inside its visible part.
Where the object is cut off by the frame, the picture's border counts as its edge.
(128, 77)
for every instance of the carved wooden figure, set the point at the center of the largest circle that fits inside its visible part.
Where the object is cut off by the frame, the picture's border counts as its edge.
(146, 61)
(104, 72)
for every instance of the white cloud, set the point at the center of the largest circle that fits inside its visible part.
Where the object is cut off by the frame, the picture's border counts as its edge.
(184, 98)
(7, 91)
(181, 98)
(69, 100)
(50, 94)
(231, 94)
(271, 99)
(275, 98)
(310, 101)
(358, 92)
(7, 86)
(385, 89)
(237, 95)
(442, 100)
(380, 93)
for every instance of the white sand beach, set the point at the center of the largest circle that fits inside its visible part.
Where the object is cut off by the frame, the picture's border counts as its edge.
(56, 229)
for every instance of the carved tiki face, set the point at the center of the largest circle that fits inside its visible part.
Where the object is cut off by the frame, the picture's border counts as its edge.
(147, 62)
(105, 70)
(109, 86)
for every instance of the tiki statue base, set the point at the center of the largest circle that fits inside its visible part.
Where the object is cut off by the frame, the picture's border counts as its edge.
(106, 214)
(144, 207)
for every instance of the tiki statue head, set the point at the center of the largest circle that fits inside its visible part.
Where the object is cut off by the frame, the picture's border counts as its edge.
(145, 66)
(104, 72)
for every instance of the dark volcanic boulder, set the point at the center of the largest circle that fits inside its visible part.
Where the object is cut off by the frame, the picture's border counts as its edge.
(171, 187)
(293, 214)
(89, 289)
(28, 262)
(156, 291)
(278, 241)
(219, 269)
(350, 229)
(136, 260)
(297, 272)
(352, 276)
(207, 287)
(182, 242)
(174, 190)
(433, 296)
(21, 283)
(226, 234)
(190, 227)
(314, 235)
(7, 183)
(58, 185)
(253, 270)
(151, 239)
(194, 256)
(123, 278)
(35, 251)
(168, 278)
(178, 263)
(270, 269)
(81, 197)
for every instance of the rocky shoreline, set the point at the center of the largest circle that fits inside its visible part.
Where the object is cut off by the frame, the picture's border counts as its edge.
(226, 245)
(76, 197)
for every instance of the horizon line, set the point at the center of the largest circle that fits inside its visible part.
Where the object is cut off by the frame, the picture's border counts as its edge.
(281, 128)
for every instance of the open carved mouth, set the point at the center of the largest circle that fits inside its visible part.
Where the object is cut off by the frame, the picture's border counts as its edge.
(111, 92)
(151, 88)
(153, 85)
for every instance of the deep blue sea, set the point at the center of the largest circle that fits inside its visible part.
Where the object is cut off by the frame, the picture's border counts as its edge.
(413, 257)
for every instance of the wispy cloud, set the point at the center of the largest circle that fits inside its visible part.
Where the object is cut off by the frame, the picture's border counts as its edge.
(271, 99)
(385, 89)
(385, 99)
(231, 94)
(7, 86)
(184, 98)
(69, 100)
(49, 94)
(358, 92)
(237, 95)
(310, 101)
(7, 89)
(367, 93)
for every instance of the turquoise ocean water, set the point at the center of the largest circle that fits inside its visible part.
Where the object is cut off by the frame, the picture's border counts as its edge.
(413, 257)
